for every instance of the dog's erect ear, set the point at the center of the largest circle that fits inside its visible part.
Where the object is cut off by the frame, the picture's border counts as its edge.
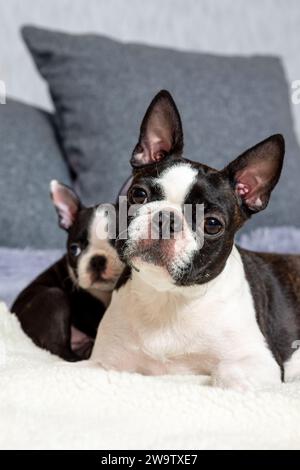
(66, 203)
(161, 132)
(255, 173)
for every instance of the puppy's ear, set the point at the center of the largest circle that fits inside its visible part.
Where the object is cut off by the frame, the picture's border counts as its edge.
(66, 203)
(161, 132)
(255, 173)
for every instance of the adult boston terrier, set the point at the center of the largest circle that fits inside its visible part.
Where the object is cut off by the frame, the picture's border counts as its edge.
(61, 309)
(180, 307)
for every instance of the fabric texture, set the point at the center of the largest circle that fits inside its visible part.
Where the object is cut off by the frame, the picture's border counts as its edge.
(29, 158)
(101, 88)
(46, 403)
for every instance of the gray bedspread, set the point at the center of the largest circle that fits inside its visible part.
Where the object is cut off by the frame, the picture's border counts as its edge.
(19, 266)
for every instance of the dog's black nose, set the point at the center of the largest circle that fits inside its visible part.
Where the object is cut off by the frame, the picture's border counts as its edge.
(169, 223)
(98, 263)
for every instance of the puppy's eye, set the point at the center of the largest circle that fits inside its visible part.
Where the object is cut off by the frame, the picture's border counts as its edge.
(75, 249)
(138, 195)
(212, 226)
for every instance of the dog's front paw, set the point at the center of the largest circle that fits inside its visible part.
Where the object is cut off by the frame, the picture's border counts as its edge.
(246, 374)
(232, 376)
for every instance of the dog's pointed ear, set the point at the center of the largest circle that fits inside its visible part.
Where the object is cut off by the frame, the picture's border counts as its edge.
(255, 173)
(161, 132)
(66, 203)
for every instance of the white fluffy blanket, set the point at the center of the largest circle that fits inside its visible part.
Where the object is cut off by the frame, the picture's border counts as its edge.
(46, 403)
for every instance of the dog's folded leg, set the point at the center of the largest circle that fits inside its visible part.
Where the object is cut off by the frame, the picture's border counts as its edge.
(51, 331)
(81, 343)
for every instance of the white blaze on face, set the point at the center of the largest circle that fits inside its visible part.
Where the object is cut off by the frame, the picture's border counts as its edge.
(177, 182)
(99, 245)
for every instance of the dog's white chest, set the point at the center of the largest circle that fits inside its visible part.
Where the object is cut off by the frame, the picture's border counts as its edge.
(167, 332)
(134, 341)
(171, 343)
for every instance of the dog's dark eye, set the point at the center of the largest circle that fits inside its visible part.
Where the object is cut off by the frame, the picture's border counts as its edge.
(75, 249)
(139, 195)
(212, 226)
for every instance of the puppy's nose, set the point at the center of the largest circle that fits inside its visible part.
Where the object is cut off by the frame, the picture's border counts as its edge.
(169, 223)
(98, 263)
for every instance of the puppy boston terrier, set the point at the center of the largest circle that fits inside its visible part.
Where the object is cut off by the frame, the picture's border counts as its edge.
(61, 309)
(200, 305)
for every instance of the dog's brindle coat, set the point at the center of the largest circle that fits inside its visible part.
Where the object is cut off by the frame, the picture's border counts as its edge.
(229, 196)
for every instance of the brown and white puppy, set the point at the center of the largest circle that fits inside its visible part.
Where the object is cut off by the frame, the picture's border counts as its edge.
(194, 302)
(61, 309)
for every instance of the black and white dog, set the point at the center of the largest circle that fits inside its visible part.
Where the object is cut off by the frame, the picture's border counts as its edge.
(61, 309)
(181, 307)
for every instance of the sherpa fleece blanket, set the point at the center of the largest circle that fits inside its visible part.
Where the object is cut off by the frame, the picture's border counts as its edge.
(46, 403)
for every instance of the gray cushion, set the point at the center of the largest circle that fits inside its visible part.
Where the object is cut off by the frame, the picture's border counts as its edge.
(102, 87)
(29, 158)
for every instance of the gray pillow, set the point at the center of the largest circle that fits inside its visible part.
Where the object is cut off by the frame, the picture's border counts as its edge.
(101, 89)
(29, 158)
